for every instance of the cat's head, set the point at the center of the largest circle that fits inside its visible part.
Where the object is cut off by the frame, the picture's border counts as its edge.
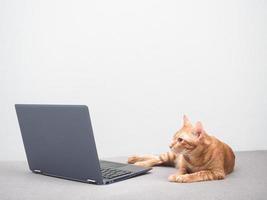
(188, 138)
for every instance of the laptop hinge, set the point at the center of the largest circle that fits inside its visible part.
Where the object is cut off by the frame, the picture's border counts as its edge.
(90, 181)
(37, 171)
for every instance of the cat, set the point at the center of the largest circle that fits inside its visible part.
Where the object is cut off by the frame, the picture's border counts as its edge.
(197, 155)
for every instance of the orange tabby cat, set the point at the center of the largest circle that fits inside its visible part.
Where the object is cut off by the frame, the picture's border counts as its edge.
(198, 156)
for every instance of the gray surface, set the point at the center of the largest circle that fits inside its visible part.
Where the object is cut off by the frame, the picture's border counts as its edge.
(248, 181)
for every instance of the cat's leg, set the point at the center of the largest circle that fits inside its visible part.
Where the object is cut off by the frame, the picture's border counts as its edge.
(150, 160)
(139, 158)
(181, 169)
(204, 175)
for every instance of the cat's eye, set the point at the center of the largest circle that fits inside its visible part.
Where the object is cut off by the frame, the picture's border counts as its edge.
(179, 139)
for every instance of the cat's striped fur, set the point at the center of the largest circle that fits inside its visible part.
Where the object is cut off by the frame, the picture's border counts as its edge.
(197, 155)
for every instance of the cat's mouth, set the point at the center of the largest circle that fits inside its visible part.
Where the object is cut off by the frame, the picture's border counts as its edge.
(176, 151)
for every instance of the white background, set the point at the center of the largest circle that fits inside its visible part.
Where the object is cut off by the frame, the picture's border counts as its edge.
(139, 66)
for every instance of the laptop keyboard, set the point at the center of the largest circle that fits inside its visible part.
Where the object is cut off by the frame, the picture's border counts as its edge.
(109, 173)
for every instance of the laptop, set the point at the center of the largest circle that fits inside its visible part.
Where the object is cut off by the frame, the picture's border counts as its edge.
(59, 142)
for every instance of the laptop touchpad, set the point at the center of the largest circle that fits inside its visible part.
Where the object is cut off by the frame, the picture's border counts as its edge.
(108, 164)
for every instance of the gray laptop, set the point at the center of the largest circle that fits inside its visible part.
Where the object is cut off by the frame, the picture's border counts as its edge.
(59, 142)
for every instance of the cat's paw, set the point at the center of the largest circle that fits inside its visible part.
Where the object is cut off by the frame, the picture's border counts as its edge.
(143, 164)
(172, 178)
(133, 159)
(178, 178)
(182, 178)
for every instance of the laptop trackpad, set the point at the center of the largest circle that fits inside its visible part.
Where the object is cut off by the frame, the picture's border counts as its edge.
(108, 164)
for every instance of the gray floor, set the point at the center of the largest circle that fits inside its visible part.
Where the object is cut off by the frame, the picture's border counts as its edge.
(248, 181)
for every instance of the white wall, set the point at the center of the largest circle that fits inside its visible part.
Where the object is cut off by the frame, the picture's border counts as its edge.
(139, 65)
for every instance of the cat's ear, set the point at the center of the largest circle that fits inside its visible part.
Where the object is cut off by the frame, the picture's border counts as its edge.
(199, 129)
(186, 121)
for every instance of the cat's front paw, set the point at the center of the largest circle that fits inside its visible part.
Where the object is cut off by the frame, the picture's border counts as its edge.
(182, 178)
(133, 159)
(172, 178)
(143, 164)
(179, 178)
